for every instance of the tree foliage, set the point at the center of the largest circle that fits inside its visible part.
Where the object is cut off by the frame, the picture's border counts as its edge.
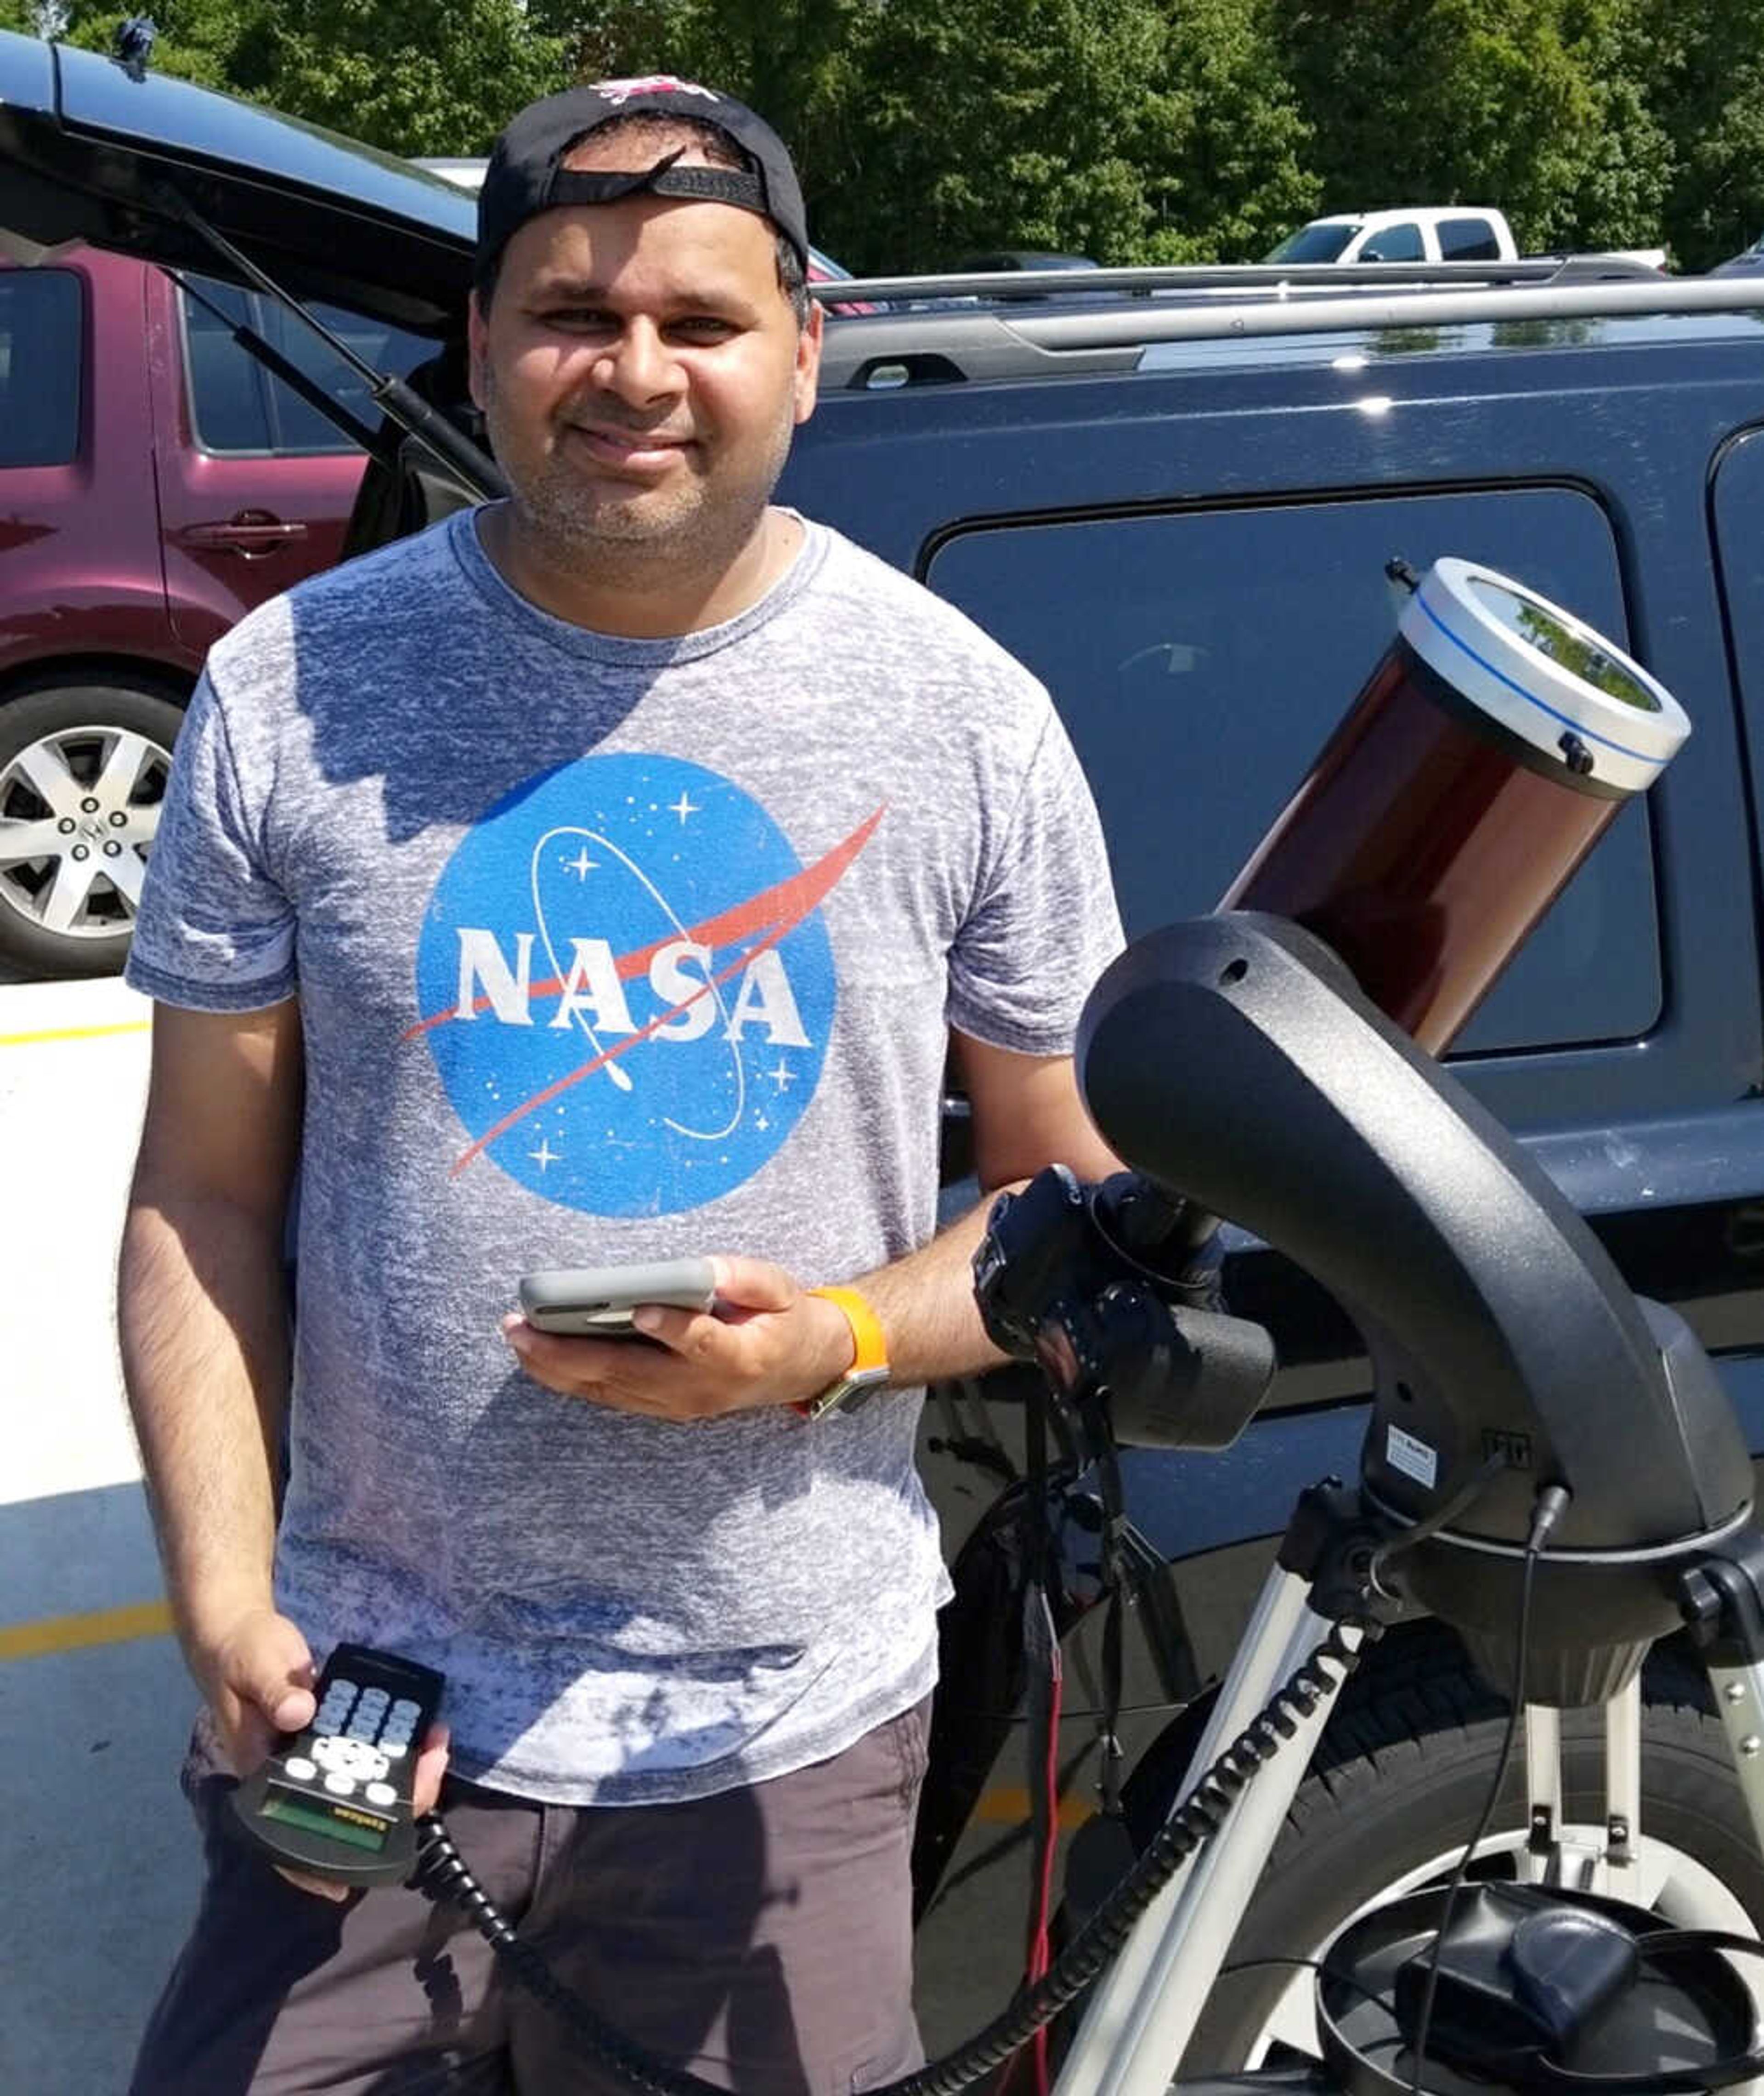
(407, 75)
(1708, 63)
(1129, 130)
(1522, 104)
(1143, 130)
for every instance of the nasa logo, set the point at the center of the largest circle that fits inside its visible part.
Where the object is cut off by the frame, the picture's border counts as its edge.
(627, 985)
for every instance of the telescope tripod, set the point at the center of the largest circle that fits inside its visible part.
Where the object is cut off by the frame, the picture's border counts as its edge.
(1143, 2013)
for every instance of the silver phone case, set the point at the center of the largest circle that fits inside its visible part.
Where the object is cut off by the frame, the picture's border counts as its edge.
(597, 1302)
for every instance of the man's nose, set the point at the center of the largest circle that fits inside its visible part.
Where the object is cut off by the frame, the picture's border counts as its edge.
(639, 367)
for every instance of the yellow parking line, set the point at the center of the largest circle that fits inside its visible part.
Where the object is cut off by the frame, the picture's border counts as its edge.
(136, 1619)
(1006, 1805)
(73, 1034)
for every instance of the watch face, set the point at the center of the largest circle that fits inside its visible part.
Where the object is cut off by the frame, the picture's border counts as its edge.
(851, 1392)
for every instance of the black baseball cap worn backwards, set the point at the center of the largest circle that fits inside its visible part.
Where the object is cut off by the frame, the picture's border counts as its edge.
(526, 174)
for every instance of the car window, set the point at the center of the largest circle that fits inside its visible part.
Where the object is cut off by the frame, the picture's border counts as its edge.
(1468, 240)
(1394, 243)
(1199, 660)
(40, 315)
(238, 406)
(1313, 244)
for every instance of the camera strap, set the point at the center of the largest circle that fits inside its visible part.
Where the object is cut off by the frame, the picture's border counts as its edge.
(1114, 1572)
(1041, 1663)
(1102, 1851)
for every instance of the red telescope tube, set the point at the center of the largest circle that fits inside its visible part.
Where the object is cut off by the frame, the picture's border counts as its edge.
(1494, 740)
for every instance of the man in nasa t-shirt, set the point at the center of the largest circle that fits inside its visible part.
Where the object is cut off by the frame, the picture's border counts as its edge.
(602, 875)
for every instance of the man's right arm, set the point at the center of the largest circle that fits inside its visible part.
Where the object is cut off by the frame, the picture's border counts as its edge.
(202, 1316)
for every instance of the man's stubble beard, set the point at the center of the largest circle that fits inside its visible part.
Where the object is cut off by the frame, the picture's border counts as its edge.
(570, 519)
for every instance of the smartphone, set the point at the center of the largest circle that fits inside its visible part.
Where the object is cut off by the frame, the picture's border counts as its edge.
(597, 1302)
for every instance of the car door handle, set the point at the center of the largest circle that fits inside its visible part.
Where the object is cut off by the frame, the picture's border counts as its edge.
(252, 531)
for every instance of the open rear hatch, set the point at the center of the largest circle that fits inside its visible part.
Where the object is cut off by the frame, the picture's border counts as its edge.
(88, 152)
(97, 150)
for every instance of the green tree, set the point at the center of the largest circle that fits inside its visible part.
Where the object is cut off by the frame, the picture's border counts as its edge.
(1535, 106)
(995, 123)
(615, 39)
(1137, 130)
(1145, 130)
(1232, 172)
(1708, 95)
(409, 76)
(196, 38)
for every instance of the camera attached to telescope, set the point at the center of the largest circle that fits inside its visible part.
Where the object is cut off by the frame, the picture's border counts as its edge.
(1112, 1289)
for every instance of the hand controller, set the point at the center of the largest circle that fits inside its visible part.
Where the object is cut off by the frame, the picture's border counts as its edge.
(335, 1798)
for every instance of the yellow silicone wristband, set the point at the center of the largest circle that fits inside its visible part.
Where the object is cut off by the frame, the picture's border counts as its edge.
(871, 1349)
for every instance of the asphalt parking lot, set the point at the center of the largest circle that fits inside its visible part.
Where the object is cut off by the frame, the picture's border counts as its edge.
(94, 1701)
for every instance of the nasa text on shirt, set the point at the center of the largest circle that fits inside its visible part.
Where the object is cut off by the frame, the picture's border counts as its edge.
(626, 984)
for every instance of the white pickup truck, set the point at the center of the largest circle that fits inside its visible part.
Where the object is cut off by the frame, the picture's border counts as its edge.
(1429, 233)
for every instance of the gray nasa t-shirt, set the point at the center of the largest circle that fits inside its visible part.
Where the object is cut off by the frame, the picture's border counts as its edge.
(612, 949)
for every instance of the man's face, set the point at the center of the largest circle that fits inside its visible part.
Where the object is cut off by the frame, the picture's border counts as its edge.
(641, 371)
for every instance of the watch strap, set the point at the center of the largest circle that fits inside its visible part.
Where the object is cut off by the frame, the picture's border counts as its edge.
(869, 1366)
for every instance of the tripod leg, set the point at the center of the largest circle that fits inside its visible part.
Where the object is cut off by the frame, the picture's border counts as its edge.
(1144, 2009)
(1542, 1792)
(1739, 1690)
(1281, 1610)
(1583, 1859)
(1622, 1790)
(1739, 1698)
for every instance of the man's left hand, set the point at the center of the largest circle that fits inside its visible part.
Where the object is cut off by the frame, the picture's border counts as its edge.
(767, 1342)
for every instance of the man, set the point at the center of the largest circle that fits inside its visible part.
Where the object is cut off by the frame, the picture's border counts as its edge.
(595, 877)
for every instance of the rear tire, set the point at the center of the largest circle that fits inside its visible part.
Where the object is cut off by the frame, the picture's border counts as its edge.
(1394, 1794)
(83, 770)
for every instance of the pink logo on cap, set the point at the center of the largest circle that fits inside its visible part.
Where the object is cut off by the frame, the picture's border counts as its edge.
(654, 83)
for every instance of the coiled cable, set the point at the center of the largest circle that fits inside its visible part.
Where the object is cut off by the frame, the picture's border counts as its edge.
(442, 1874)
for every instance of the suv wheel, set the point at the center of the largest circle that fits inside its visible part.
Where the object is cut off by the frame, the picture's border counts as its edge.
(83, 771)
(1391, 1798)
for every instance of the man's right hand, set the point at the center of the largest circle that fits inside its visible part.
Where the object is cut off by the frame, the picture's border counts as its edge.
(258, 1677)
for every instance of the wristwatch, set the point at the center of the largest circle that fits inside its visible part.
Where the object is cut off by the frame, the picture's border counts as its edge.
(869, 1369)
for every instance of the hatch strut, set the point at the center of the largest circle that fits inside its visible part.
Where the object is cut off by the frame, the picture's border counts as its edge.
(454, 452)
(290, 374)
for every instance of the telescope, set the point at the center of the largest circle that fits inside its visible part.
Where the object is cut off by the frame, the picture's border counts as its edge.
(1550, 1466)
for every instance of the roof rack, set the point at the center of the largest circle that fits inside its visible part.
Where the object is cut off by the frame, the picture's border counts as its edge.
(1110, 332)
(1281, 279)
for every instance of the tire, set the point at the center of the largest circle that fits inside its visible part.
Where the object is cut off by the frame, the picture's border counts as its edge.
(83, 770)
(1397, 1787)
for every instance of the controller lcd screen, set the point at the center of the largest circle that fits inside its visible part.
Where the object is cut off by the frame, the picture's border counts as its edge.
(278, 1805)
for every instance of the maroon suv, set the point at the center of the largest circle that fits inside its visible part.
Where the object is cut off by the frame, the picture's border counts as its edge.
(155, 483)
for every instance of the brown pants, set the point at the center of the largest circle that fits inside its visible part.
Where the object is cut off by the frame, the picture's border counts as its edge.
(760, 1939)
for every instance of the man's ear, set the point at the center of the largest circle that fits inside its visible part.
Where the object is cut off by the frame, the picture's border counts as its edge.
(477, 339)
(808, 371)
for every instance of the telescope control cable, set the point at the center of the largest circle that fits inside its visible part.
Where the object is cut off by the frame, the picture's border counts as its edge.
(1551, 1504)
(442, 1874)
